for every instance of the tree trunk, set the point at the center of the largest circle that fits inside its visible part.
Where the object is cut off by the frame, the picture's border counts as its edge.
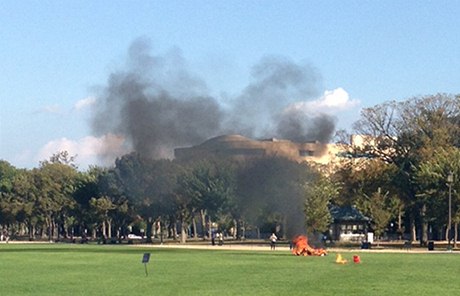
(161, 231)
(58, 231)
(413, 231)
(109, 228)
(44, 229)
(203, 223)
(424, 226)
(183, 230)
(455, 234)
(285, 228)
(22, 229)
(209, 227)
(172, 229)
(104, 234)
(243, 230)
(31, 231)
(66, 230)
(195, 235)
(55, 230)
(148, 232)
(50, 228)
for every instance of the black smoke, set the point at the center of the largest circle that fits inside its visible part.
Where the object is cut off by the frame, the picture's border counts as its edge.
(274, 185)
(157, 105)
(299, 127)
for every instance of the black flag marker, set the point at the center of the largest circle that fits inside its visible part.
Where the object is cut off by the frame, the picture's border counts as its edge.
(145, 260)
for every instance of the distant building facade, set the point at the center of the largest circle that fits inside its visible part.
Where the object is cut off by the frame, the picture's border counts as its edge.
(238, 146)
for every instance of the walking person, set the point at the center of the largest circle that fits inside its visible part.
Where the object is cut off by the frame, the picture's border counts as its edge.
(273, 239)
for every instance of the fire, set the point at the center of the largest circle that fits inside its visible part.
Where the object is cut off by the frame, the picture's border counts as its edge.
(302, 248)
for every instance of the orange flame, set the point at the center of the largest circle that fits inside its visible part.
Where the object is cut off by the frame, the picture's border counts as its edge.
(302, 248)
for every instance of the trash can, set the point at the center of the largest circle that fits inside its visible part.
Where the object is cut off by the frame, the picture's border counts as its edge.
(430, 246)
(366, 245)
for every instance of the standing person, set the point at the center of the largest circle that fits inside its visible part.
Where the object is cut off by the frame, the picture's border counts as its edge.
(213, 238)
(221, 238)
(273, 239)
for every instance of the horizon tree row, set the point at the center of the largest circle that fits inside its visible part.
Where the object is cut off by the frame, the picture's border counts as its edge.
(163, 198)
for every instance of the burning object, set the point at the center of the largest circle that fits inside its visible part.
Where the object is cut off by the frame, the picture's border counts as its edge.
(302, 248)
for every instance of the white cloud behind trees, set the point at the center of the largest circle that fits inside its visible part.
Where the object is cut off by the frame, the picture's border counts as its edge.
(331, 102)
(88, 150)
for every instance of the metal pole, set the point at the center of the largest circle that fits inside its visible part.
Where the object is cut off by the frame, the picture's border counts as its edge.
(450, 180)
(450, 214)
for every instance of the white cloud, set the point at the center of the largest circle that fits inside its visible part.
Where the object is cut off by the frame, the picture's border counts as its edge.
(84, 103)
(89, 150)
(53, 109)
(332, 102)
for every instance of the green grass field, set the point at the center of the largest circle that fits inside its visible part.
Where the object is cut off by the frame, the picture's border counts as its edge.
(44, 269)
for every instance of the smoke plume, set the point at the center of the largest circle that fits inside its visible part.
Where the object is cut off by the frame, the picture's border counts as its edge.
(156, 104)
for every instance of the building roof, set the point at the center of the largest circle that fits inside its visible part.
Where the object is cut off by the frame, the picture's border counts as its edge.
(227, 141)
(347, 213)
(242, 147)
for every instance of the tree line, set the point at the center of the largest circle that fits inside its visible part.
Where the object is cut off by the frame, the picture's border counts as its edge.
(161, 198)
(397, 177)
(412, 148)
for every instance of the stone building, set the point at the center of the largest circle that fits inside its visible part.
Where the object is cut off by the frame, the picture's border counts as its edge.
(238, 146)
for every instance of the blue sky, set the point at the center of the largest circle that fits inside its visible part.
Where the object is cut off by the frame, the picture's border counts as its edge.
(55, 55)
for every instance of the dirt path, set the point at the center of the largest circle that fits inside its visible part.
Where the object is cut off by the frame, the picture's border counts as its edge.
(258, 247)
(266, 247)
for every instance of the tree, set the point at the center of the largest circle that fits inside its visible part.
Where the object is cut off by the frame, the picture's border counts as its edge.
(403, 134)
(7, 173)
(24, 194)
(63, 157)
(210, 185)
(318, 196)
(432, 176)
(88, 186)
(101, 206)
(379, 208)
(149, 186)
(55, 183)
(110, 196)
(8, 209)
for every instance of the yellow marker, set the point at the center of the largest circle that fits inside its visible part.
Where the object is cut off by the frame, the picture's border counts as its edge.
(339, 259)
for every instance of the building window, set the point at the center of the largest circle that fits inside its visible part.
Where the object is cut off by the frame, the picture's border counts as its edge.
(305, 153)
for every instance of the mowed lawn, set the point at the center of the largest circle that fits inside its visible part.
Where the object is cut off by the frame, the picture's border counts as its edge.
(59, 269)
